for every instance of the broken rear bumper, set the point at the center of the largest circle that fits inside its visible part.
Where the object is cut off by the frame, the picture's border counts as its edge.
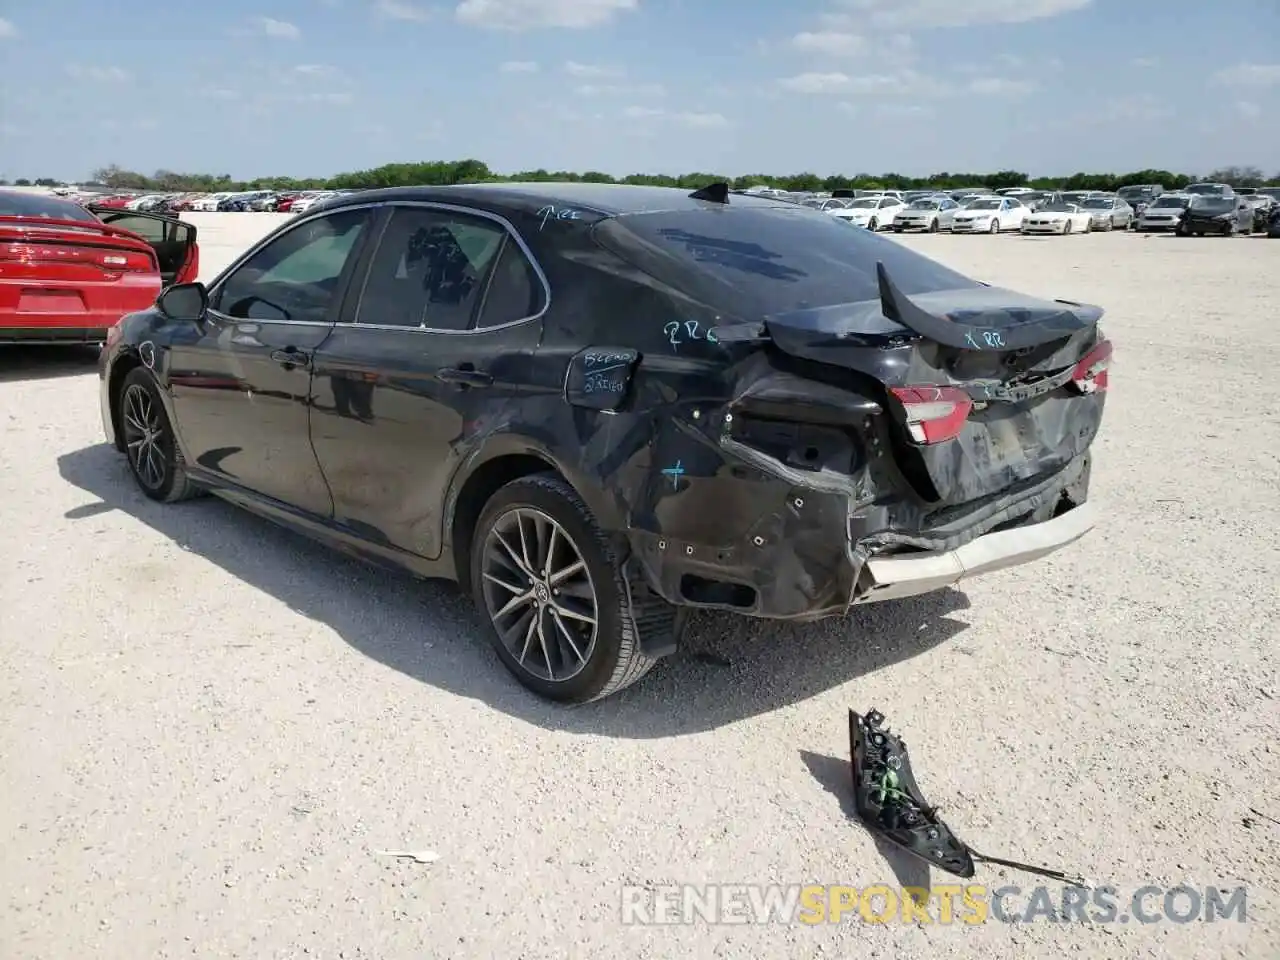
(814, 553)
(891, 578)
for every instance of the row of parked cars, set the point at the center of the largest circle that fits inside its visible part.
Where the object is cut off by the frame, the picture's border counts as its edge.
(1198, 209)
(296, 201)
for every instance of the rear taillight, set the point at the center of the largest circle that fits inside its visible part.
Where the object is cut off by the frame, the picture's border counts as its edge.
(933, 414)
(113, 261)
(1090, 374)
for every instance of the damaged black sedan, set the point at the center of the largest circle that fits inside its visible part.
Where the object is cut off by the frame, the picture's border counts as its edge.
(599, 406)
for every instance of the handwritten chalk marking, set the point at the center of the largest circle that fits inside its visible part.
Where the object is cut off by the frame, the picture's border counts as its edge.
(675, 473)
(551, 213)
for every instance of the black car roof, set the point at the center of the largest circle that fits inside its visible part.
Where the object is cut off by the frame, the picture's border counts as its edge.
(609, 199)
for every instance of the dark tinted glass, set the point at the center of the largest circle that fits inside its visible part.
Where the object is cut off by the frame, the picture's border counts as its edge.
(295, 276)
(429, 270)
(15, 204)
(773, 260)
(514, 291)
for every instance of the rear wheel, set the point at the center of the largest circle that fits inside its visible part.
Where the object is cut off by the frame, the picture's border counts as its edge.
(545, 577)
(1229, 229)
(933, 225)
(150, 445)
(1109, 225)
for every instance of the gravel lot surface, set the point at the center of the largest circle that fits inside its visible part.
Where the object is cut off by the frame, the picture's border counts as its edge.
(209, 726)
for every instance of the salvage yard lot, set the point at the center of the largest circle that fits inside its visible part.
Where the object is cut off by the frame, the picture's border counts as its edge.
(209, 726)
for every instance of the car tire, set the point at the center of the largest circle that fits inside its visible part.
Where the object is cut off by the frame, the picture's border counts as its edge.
(151, 447)
(1110, 225)
(933, 225)
(995, 226)
(550, 516)
(1229, 230)
(1066, 228)
(873, 224)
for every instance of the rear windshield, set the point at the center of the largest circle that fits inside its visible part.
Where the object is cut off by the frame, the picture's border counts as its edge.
(1171, 202)
(15, 204)
(985, 204)
(1059, 207)
(770, 260)
(1205, 188)
(927, 204)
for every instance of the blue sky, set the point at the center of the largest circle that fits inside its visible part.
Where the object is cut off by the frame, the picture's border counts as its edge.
(315, 87)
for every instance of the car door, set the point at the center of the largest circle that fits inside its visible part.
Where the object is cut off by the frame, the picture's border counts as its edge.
(436, 347)
(240, 381)
(173, 240)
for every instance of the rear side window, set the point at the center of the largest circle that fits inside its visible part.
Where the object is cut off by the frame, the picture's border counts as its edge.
(430, 269)
(763, 261)
(515, 291)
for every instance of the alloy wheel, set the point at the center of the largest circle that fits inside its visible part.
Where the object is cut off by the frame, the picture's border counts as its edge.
(145, 437)
(539, 594)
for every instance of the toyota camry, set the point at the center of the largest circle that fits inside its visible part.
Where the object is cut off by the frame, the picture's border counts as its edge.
(598, 406)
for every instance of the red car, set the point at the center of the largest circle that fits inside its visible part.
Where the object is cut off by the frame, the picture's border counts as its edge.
(68, 274)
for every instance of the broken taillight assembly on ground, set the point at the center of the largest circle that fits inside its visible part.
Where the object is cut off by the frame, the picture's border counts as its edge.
(933, 414)
(1090, 374)
(890, 804)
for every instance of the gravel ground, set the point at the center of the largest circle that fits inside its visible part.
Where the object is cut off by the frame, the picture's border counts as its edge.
(209, 725)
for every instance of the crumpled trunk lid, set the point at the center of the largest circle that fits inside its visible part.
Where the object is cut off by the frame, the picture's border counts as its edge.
(1014, 356)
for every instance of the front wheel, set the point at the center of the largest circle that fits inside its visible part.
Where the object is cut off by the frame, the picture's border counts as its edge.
(873, 225)
(544, 576)
(149, 441)
(1066, 228)
(933, 226)
(995, 225)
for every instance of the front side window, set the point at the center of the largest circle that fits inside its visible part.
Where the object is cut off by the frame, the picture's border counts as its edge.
(294, 277)
(430, 269)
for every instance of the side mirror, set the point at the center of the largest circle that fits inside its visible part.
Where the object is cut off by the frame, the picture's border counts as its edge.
(184, 301)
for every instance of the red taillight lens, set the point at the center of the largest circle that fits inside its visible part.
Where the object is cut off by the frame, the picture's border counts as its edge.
(933, 414)
(1090, 374)
(113, 261)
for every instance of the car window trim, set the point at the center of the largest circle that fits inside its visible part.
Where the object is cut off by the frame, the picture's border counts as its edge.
(512, 234)
(344, 282)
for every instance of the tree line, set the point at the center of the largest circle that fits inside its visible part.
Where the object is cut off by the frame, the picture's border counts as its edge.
(443, 172)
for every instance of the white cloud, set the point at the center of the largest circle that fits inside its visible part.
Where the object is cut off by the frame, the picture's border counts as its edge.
(535, 14)
(1249, 75)
(575, 69)
(1145, 63)
(97, 74)
(312, 69)
(401, 10)
(7, 29)
(1250, 111)
(1002, 87)
(925, 14)
(518, 66)
(686, 118)
(831, 42)
(620, 89)
(1124, 110)
(701, 121)
(899, 83)
(219, 93)
(817, 83)
(279, 28)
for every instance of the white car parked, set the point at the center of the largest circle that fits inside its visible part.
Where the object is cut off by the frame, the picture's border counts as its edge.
(990, 215)
(1058, 218)
(874, 213)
